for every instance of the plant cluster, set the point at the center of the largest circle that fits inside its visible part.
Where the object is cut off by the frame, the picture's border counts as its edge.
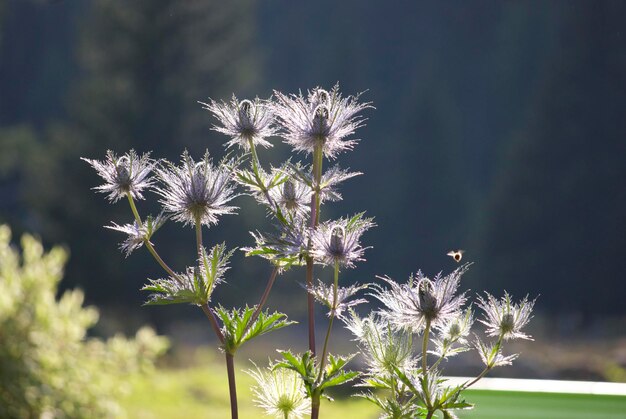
(48, 367)
(320, 125)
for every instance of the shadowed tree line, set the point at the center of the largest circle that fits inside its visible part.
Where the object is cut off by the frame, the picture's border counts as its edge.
(497, 129)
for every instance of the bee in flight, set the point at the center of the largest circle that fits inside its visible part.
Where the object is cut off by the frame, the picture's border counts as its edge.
(457, 255)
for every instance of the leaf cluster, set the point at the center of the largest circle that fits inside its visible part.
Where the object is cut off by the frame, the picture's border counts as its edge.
(240, 326)
(316, 381)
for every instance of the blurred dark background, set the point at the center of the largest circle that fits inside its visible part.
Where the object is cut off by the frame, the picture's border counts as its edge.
(499, 128)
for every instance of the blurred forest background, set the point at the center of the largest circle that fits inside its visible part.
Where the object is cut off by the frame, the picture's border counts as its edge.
(499, 128)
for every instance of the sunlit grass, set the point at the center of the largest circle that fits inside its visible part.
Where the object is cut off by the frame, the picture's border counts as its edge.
(202, 392)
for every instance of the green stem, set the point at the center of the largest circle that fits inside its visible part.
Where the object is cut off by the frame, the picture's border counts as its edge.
(310, 305)
(149, 245)
(133, 208)
(330, 322)
(315, 216)
(255, 169)
(487, 368)
(318, 157)
(199, 237)
(425, 347)
(441, 358)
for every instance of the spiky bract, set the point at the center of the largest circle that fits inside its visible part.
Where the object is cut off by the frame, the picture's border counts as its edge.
(280, 392)
(196, 191)
(322, 118)
(504, 318)
(246, 121)
(339, 241)
(409, 306)
(124, 174)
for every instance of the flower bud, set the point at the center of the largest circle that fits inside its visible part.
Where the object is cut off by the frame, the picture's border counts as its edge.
(427, 298)
(337, 235)
(508, 323)
(122, 169)
(245, 109)
(321, 97)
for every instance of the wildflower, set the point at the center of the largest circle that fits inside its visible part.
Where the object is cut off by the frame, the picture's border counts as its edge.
(245, 122)
(196, 191)
(329, 181)
(409, 306)
(325, 294)
(122, 175)
(505, 319)
(491, 354)
(280, 392)
(293, 196)
(138, 234)
(286, 247)
(383, 348)
(338, 241)
(454, 331)
(323, 118)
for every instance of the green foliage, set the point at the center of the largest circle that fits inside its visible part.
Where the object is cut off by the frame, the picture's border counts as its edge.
(240, 327)
(314, 382)
(48, 367)
(194, 286)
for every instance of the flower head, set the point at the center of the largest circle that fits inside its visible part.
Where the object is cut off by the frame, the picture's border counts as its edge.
(124, 174)
(246, 121)
(384, 349)
(280, 392)
(409, 306)
(196, 191)
(505, 319)
(338, 241)
(322, 118)
(138, 234)
(491, 354)
(293, 196)
(284, 248)
(325, 295)
(454, 331)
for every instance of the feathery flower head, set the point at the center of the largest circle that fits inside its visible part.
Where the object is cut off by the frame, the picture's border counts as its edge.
(138, 235)
(409, 306)
(323, 118)
(491, 354)
(338, 241)
(246, 121)
(285, 248)
(383, 348)
(325, 295)
(292, 195)
(328, 181)
(124, 174)
(505, 319)
(454, 331)
(196, 191)
(280, 392)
